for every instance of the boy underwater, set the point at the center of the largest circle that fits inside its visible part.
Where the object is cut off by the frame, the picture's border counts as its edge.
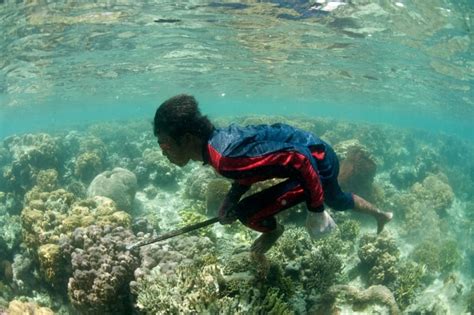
(255, 153)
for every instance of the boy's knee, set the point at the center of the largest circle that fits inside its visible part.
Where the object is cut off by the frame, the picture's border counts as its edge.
(344, 201)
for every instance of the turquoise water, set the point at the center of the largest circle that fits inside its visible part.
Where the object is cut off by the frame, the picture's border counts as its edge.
(80, 82)
(368, 59)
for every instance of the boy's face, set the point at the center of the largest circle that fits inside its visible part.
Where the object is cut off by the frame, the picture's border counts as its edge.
(176, 152)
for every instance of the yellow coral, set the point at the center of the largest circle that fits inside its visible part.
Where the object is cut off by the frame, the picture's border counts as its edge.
(49, 256)
(21, 308)
(88, 165)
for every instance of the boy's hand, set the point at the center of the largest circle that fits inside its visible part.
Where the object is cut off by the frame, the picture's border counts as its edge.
(319, 224)
(227, 212)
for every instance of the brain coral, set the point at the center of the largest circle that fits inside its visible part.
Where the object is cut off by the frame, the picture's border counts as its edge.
(120, 185)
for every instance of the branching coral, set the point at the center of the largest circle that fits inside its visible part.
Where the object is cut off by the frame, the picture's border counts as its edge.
(189, 217)
(317, 265)
(379, 254)
(199, 290)
(437, 256)
(407, 283)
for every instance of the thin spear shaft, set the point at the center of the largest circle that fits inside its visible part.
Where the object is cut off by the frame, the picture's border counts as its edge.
(174, 233)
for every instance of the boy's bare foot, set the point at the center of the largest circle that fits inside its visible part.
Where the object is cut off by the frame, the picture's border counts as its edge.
(265, 241)
(382, 219)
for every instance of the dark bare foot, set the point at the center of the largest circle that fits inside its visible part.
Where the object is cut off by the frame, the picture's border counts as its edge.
(383, 219)
(265, 241)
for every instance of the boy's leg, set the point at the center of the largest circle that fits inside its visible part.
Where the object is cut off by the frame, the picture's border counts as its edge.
(258, 210)
(335, 198)
(363, 206)
(265, 241)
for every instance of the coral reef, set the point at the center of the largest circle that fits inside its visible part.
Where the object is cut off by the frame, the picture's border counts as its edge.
(50, 232)
(196, 289)
(10, 234)
(197, 183)
(380, 256)
(47, 180)
(192, 216)
(216, 192)
(87, 166)
(170, 254)
(316, 265)
(21, 308)
(50, 215)
(30, 154)
(120, 185)
(154, 168)
(101, 269)
(407, 283)
(435, 192)
(423, 207)
(361, 300)
(437, 255)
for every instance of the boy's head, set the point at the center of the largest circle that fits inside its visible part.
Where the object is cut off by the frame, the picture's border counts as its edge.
(179, 125)
(180, 115)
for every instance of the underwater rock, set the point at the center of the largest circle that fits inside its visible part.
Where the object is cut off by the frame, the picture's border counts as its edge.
(120, 185)
(404, 176)
(357, 171)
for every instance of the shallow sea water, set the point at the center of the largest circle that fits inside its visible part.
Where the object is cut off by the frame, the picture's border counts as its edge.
(79, 84)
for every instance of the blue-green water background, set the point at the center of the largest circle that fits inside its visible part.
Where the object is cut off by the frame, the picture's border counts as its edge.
(406, 63)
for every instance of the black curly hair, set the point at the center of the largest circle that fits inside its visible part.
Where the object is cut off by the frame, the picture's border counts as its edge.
(179, 115)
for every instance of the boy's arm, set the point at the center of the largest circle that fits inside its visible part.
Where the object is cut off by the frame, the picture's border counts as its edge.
(227, 208)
